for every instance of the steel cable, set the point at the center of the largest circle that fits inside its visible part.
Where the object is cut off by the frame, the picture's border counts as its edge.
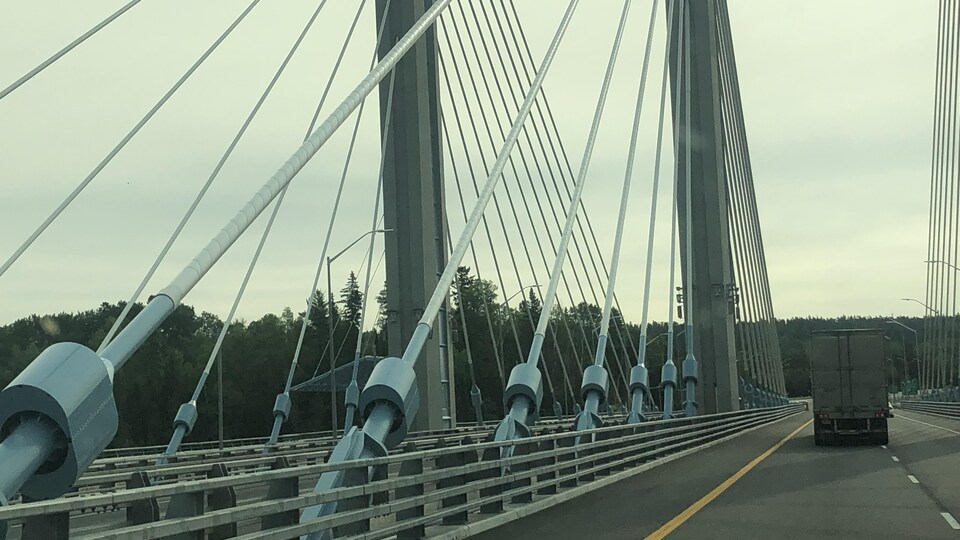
(476, 135)
(935, 150)
(555, 142)
(544, 105)
(535, 127)
(206, 186)
(473, 253)
(385, 136)
(754, 343)
(123, 142)
(948, 111)
(516, 176)
(581, 310)
(946, 369)
(69, 47)
(422, 331)
(275, 431)
(525, 167)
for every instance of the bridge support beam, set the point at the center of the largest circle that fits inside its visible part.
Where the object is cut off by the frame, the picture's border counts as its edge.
(708, 290)
(414, 209)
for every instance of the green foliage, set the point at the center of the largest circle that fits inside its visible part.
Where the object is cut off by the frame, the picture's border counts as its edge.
(256, 356)
(352, 300)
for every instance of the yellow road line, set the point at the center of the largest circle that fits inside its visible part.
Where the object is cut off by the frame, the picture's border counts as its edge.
(682, 517)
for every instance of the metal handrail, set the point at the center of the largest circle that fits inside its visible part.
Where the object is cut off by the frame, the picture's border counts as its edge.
(114, 472)
(133, 495)
(938, 408)
(344, 518)
(549, 459)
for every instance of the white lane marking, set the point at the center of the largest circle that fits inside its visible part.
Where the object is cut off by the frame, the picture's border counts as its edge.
(895, 458)
(926, 424)
(883, 446)
(913, 479)
(951, 520)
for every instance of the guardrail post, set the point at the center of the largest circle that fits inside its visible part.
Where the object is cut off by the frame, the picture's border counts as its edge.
(605, 436)
(221, 498)
(353, 477)
(548, 449)
(145, 510)
(616, 443)
(631, 454)
(379, 472)
(186, 505)
(109, 467)
(411, 467)
(451, 460)
(582, 452)
(47, 527)
(569, 452)
(522, 449)
(494, 507)
(281, 488)
(690, 422)
(659, 445)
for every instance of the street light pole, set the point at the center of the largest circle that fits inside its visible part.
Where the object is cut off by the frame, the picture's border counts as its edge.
(946, 263)
(537, 285)
(916, 347)
(220, 397)
(330, 345)
(922, 304)
(650, 341)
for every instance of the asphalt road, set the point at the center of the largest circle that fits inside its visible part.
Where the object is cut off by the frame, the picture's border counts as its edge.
(800, 491)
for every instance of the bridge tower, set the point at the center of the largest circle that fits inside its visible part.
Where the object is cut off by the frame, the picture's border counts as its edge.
(414, 208)
(713, 291)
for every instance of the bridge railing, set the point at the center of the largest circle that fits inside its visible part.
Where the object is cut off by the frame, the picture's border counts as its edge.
(444, 488)
(255, 444)
(939, 408)
(111, 474)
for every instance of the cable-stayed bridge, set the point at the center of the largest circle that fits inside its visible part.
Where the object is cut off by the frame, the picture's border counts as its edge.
(472, 175)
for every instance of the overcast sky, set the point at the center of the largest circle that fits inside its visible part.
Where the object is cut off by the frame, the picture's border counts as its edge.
(838, 106)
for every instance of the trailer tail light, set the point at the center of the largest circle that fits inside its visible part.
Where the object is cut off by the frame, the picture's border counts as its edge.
(823, 416)
(880, 414)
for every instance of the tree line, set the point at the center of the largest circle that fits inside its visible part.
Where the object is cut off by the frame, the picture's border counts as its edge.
(256, 356)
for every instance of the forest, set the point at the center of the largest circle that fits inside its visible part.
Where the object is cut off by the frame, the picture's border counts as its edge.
(257, 354)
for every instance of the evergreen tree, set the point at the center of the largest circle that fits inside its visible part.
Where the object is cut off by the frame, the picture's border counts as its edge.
(352, 300)
(256, 356)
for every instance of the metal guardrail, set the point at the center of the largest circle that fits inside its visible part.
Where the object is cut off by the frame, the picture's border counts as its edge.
(250, 442)
(409, 495)
(112, 473)
(939, 408)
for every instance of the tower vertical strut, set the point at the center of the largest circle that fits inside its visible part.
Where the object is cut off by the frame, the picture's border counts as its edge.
(413, 196)
(710, 373)
(690, 367)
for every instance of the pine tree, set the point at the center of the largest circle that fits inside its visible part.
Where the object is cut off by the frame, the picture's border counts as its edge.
(352, 300)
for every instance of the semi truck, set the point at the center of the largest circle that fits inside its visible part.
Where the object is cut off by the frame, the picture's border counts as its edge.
(848, 376)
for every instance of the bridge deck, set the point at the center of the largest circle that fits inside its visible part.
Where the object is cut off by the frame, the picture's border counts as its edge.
(799, 491)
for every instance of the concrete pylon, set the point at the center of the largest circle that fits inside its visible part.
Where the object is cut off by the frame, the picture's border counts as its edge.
(710, 290)
(414, 209)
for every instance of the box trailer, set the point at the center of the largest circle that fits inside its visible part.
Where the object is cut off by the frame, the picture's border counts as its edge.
(848, 376)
